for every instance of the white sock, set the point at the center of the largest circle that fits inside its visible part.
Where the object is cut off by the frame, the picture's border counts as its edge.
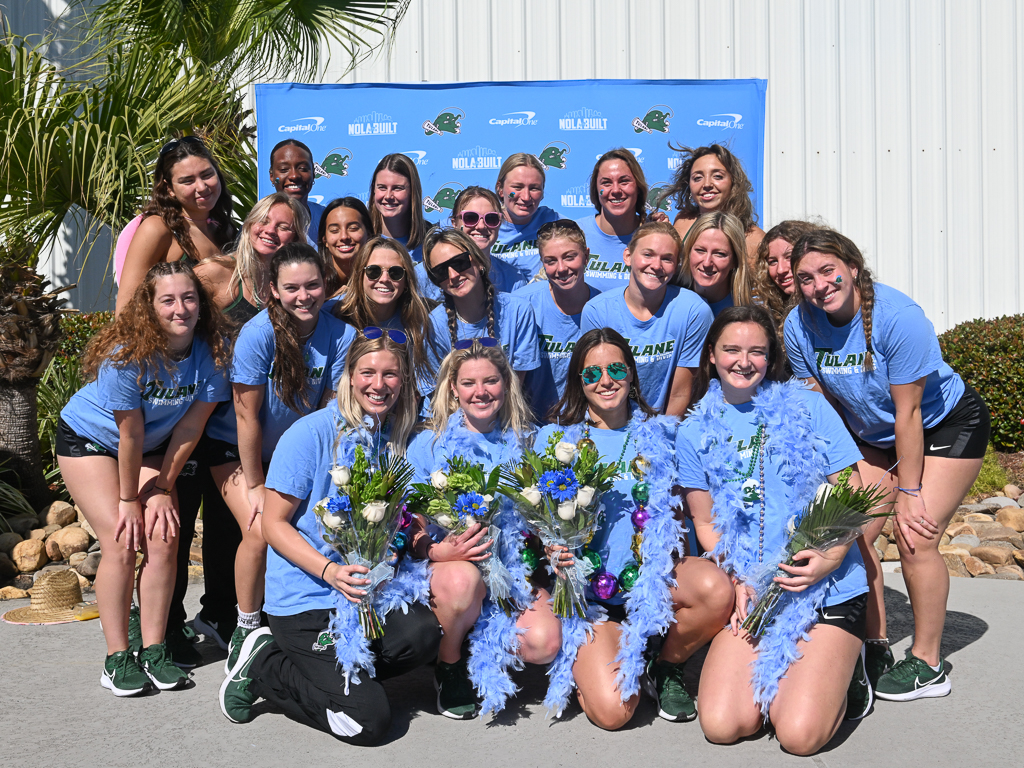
(248, 620)
(935, 668)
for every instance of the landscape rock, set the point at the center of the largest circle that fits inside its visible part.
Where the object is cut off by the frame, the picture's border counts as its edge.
(976, 567)
(51, 568)
(8, 540)
(89, 565)
(887, 527)
(1012, 492)
(951, 550)
(70, 540)
(966, 541)
(195, 574)
(1016, 570)
(94, 547)
(1018, 556)
(76, 558)
(83, 582)
(993, 555)
(37, 534)
(12, 593)
(956, 566)
(22, 581)
(959, 529)
(29, 555)
(892, 553)
(944, 539)
(53, 549)
(979, 517)
(998, 502)
(49, 530)
(8, 570)
(195, 554)
(966, 509)
(1011, 517)
(88, 529)
(23, 524)
(1002, 533)
(880, 544)
(59, 513)
(199, 527)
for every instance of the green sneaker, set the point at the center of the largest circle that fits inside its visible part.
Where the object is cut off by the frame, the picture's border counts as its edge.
(455, 696)
(122, 676)
(235, 647)
(156, 663)
(663, 682)
(911, 678)
(236, 699)
(859, 696)
(134, 629)
(181, 646)
(878, 660)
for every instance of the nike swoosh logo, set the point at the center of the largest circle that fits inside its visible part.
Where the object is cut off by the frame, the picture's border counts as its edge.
(109, 675)
(939, 447)
(830, 618)
(919, 684)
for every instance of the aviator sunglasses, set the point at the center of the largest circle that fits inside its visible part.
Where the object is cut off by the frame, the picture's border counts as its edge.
(492, 220)
(372, 332)
(592, 373)
(460, 262)
(374, 271)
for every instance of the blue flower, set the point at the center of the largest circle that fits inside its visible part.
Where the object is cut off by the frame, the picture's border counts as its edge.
(560, 485)
(471, 503)
(337, 504)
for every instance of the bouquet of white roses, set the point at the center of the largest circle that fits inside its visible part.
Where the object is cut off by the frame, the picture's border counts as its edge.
(559, 495)
(360, 522)
(456, 498)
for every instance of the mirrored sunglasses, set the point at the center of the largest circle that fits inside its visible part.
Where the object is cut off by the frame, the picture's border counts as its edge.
(373, 332)
(592, 373)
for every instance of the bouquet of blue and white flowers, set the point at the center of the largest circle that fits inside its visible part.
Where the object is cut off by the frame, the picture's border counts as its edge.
(361, 522)
(559, 496)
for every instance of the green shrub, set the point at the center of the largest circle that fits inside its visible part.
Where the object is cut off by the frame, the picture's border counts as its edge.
(989, 355)
(78, 328)
(992, 477)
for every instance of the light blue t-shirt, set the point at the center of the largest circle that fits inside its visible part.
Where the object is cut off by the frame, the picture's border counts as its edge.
(163, 397)
(605, 270)
(505, 277)
(253, 364)
(672, 339)
(718, 306)
(428, 455)
(416, 253)
(517, 243)
(514, 324)
(316, 212)
(558, 335)
(849, 579)
(904, 349)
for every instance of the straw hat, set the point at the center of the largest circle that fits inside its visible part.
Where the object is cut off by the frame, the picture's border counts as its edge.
(54, 597)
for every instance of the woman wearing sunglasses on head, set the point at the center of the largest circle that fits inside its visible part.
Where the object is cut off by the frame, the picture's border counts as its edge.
(477, 213)
(286, 363)
(473, 308)
(665, 324)
(188, 216)
(520, 190)
(643, 581)
(480, 415)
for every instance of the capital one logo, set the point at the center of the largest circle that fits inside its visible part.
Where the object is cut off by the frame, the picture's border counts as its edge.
(729, 121)
(303, 125)
(515, 118)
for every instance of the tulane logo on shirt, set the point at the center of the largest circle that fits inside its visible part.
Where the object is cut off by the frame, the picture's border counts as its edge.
(155, 393)
(838, 364)
(615, 269)
(555, 349)
(648, 353)
(523, 245)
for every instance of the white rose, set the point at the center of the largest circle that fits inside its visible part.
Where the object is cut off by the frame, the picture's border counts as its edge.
(565, 452)
(445, 521)
(532, 495)
(585, 495)
(331, 521)
(341, 476)
(791, 525)
(470, 520)
(824, 491)
(567, 510)
(488, 498)
(374, 511)
(439, 480)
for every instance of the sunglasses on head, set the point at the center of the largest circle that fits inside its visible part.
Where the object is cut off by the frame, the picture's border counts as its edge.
(472, 218)
(592, 373)
(485, 341)
(374, 271)
(460, 262)
(170, 146)
(372, 332)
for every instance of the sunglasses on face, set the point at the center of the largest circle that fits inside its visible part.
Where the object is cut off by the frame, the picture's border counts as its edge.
(460, 262)
(472, 218)
(374, 271)
(372, 332)
(170, 146)
(485, 341)
(592, 373)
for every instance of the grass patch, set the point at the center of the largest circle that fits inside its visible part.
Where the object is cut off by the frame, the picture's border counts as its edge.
(992, 478)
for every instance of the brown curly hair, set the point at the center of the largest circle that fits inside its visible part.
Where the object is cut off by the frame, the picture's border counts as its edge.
(134, 337)
(738, 203)
(768, 293)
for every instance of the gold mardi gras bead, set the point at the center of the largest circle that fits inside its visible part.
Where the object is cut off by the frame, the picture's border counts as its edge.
(637, 541)
(639, 466)
(586, 442)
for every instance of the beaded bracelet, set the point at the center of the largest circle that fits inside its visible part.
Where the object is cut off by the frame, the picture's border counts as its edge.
(163, 491)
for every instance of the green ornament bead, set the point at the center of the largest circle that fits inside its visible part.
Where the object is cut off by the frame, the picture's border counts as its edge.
(593, 558)
(641, 492)
(628, 577)
(530, 559)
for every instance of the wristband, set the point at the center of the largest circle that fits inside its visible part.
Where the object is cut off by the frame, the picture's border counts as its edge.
(324, 571)
(911, 491)
(163, 491)
(129, 501)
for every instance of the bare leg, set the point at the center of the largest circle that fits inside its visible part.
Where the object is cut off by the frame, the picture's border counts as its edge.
(727, 711)
(594, 671)
(874, 469)
(251, 557)
(543, 637)
(159, 568)
(457, 593)
(702, 600)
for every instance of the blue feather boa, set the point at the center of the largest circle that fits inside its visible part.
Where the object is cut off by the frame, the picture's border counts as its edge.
(649, 603)
(800, 455)
(494, 639)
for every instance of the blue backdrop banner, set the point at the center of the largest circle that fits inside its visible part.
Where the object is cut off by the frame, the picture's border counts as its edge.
(458, 134)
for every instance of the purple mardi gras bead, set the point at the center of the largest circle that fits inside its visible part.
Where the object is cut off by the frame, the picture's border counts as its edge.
(406, 518)
(604, 585)
(640, 517)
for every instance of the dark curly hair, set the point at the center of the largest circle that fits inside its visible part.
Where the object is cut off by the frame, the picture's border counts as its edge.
(738, 203)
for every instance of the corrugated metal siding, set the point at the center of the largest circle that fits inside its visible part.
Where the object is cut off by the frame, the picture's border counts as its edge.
(897, 121)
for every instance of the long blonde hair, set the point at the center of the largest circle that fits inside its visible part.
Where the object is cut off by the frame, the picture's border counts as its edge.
(514, 414)
(249, 266)
(403, 415)
(732, 228)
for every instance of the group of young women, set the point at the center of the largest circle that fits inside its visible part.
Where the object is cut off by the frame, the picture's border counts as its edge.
(263, 357)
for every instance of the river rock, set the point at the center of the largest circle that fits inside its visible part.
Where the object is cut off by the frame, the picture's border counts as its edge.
(966, 509)
(94, 547)
(1012, 492)
(195, 574)
(23, 524)
(29, 555)
(956, 566)
(966, 541)
(959, 529)
(880, 544)
(83, 582)
(1002, 533)
(887, 527)
(52, 546)
(199, 527)
(51, 568)
(979, 517)
(8, 570)
(993, 554)
(89, 565)
(1018, 556)
(12, 593)
(76, 558)
(70, 540)
(1011, 517)
(59, 513)
(976, 567)
(998, 502)
(88, 529)
(37, 534)
(8, 540)
(49, 530)
(1016, 570)
(951, 550)
(892, 553)
(22, 581)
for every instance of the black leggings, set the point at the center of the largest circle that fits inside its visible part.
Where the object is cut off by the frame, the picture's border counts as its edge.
(299, 673)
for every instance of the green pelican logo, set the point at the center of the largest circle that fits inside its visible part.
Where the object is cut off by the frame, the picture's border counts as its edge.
(335, 164)
(553, 155)
(444, 198)
(447, 121)
(655, 120)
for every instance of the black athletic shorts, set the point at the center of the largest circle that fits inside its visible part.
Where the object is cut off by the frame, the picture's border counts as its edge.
(850, 616)
(73, 445)
(211, 452)
(963, 434)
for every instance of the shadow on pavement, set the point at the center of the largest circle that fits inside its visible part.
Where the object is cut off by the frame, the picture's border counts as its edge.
(961, 630)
